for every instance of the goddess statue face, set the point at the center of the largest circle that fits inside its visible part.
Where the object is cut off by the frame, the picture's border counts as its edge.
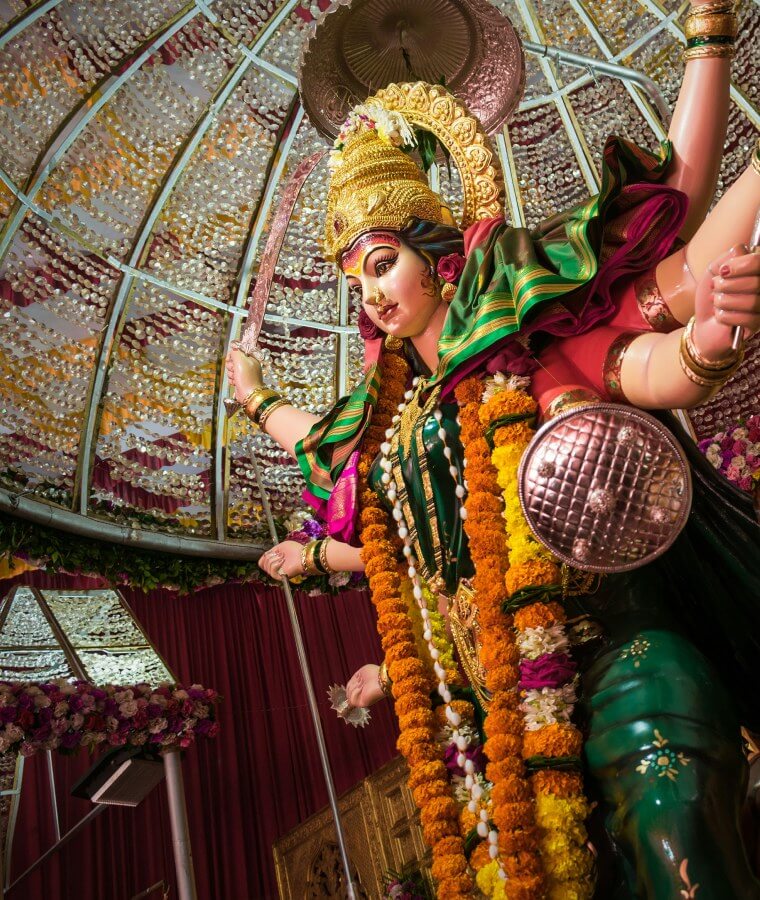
(398, 289)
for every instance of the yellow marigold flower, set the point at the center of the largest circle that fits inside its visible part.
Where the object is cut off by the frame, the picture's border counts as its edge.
(487, 877)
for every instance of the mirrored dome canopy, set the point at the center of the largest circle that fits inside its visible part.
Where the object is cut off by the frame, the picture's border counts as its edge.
(144, 147)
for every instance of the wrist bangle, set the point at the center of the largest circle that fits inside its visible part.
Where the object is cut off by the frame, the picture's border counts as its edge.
(756, 157)
(321, 557)
(307, 559)
(264, 413)
(384, 679)
(255, 400)
(701, 371)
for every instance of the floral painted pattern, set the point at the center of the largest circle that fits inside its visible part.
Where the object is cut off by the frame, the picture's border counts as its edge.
(663, 761)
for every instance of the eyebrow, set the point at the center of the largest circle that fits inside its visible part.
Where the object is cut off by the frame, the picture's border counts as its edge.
(352, 256)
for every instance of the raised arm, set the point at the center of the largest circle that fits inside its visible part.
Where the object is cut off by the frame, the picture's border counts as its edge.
(284, 422)
(700, 119)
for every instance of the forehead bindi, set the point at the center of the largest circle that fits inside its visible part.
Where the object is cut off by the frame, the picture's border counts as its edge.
(352, 261)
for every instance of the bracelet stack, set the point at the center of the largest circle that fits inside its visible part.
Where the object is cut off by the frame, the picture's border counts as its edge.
(701, 371)
(314, 558)
(710, 30)
(261, 403)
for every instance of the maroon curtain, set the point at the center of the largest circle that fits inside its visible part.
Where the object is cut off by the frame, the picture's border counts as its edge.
(253, 783)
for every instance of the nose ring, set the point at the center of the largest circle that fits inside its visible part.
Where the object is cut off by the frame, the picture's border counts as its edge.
(378, 299)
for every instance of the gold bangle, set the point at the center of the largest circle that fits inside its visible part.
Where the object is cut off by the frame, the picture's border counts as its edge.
(708, 51)
(756, 157)
(255, 399)
(307, 559)
(691, 360)
(702, 362)
(324, 565)
(384, 679)
(717, 24)
(278, 404)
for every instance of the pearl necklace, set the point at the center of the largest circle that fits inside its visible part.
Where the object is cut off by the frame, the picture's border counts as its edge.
(462, 741)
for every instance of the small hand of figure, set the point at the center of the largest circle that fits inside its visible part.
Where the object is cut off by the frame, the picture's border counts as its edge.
(363, 688)
(283, 560)
(729, 297)
(244, 373)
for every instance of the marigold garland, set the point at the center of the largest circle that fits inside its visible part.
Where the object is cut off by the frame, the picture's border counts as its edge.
(488, 548)
(411, 683)
(560, 808)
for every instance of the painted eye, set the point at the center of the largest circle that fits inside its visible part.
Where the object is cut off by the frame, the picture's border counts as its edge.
(382, 265)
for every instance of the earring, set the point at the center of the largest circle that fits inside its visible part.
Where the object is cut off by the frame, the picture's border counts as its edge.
(448, 290)
(393, 343)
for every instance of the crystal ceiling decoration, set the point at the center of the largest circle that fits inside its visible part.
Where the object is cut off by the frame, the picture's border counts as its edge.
(143, 150)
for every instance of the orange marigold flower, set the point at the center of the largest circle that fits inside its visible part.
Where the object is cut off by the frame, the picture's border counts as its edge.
(480, 856)
(508, 816)
(523, 865)
(448, 866)
(553, 740)
(560, 784)
(440, 808)
(500, 746)
(421, 753)
(425, 793)
(526, 838)
(482, 503)
(470, 390)
(418, 718)
(511, 789)
(519, 434)
(406, 668)
(527, 888)
(458, 887)
(505, 722)
(502, 678)
(401, 650)
(437, 829)
(449, 845)
(535, 572)
(414, 684)
(539, 615)
(509, 767)
(429, 771)
(411, 701)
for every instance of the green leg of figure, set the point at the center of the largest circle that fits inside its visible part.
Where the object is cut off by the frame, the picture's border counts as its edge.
(665, 754)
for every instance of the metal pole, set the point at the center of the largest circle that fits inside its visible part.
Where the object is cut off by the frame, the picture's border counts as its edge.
(183, 857)
(310, 695)
(615, 70)
(53, 796)
(95, 811)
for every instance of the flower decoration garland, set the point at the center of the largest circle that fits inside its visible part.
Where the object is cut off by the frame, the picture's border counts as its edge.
(547, 673)
(411, 684)
(512, 808)
(390, 126)
(66, 716)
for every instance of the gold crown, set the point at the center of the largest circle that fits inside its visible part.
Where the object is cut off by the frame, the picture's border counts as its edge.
(376, 186)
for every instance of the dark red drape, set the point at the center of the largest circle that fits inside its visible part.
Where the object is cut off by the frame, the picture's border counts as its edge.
(257, 780)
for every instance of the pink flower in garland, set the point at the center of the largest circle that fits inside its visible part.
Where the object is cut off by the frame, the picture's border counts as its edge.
(550, 670)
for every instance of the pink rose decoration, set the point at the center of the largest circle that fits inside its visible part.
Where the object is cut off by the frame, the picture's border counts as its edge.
(450, 267)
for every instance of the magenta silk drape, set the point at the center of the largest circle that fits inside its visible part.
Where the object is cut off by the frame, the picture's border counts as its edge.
(257, 780)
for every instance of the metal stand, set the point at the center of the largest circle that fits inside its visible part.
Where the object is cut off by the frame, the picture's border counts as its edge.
(310, 695)
(183, 857)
